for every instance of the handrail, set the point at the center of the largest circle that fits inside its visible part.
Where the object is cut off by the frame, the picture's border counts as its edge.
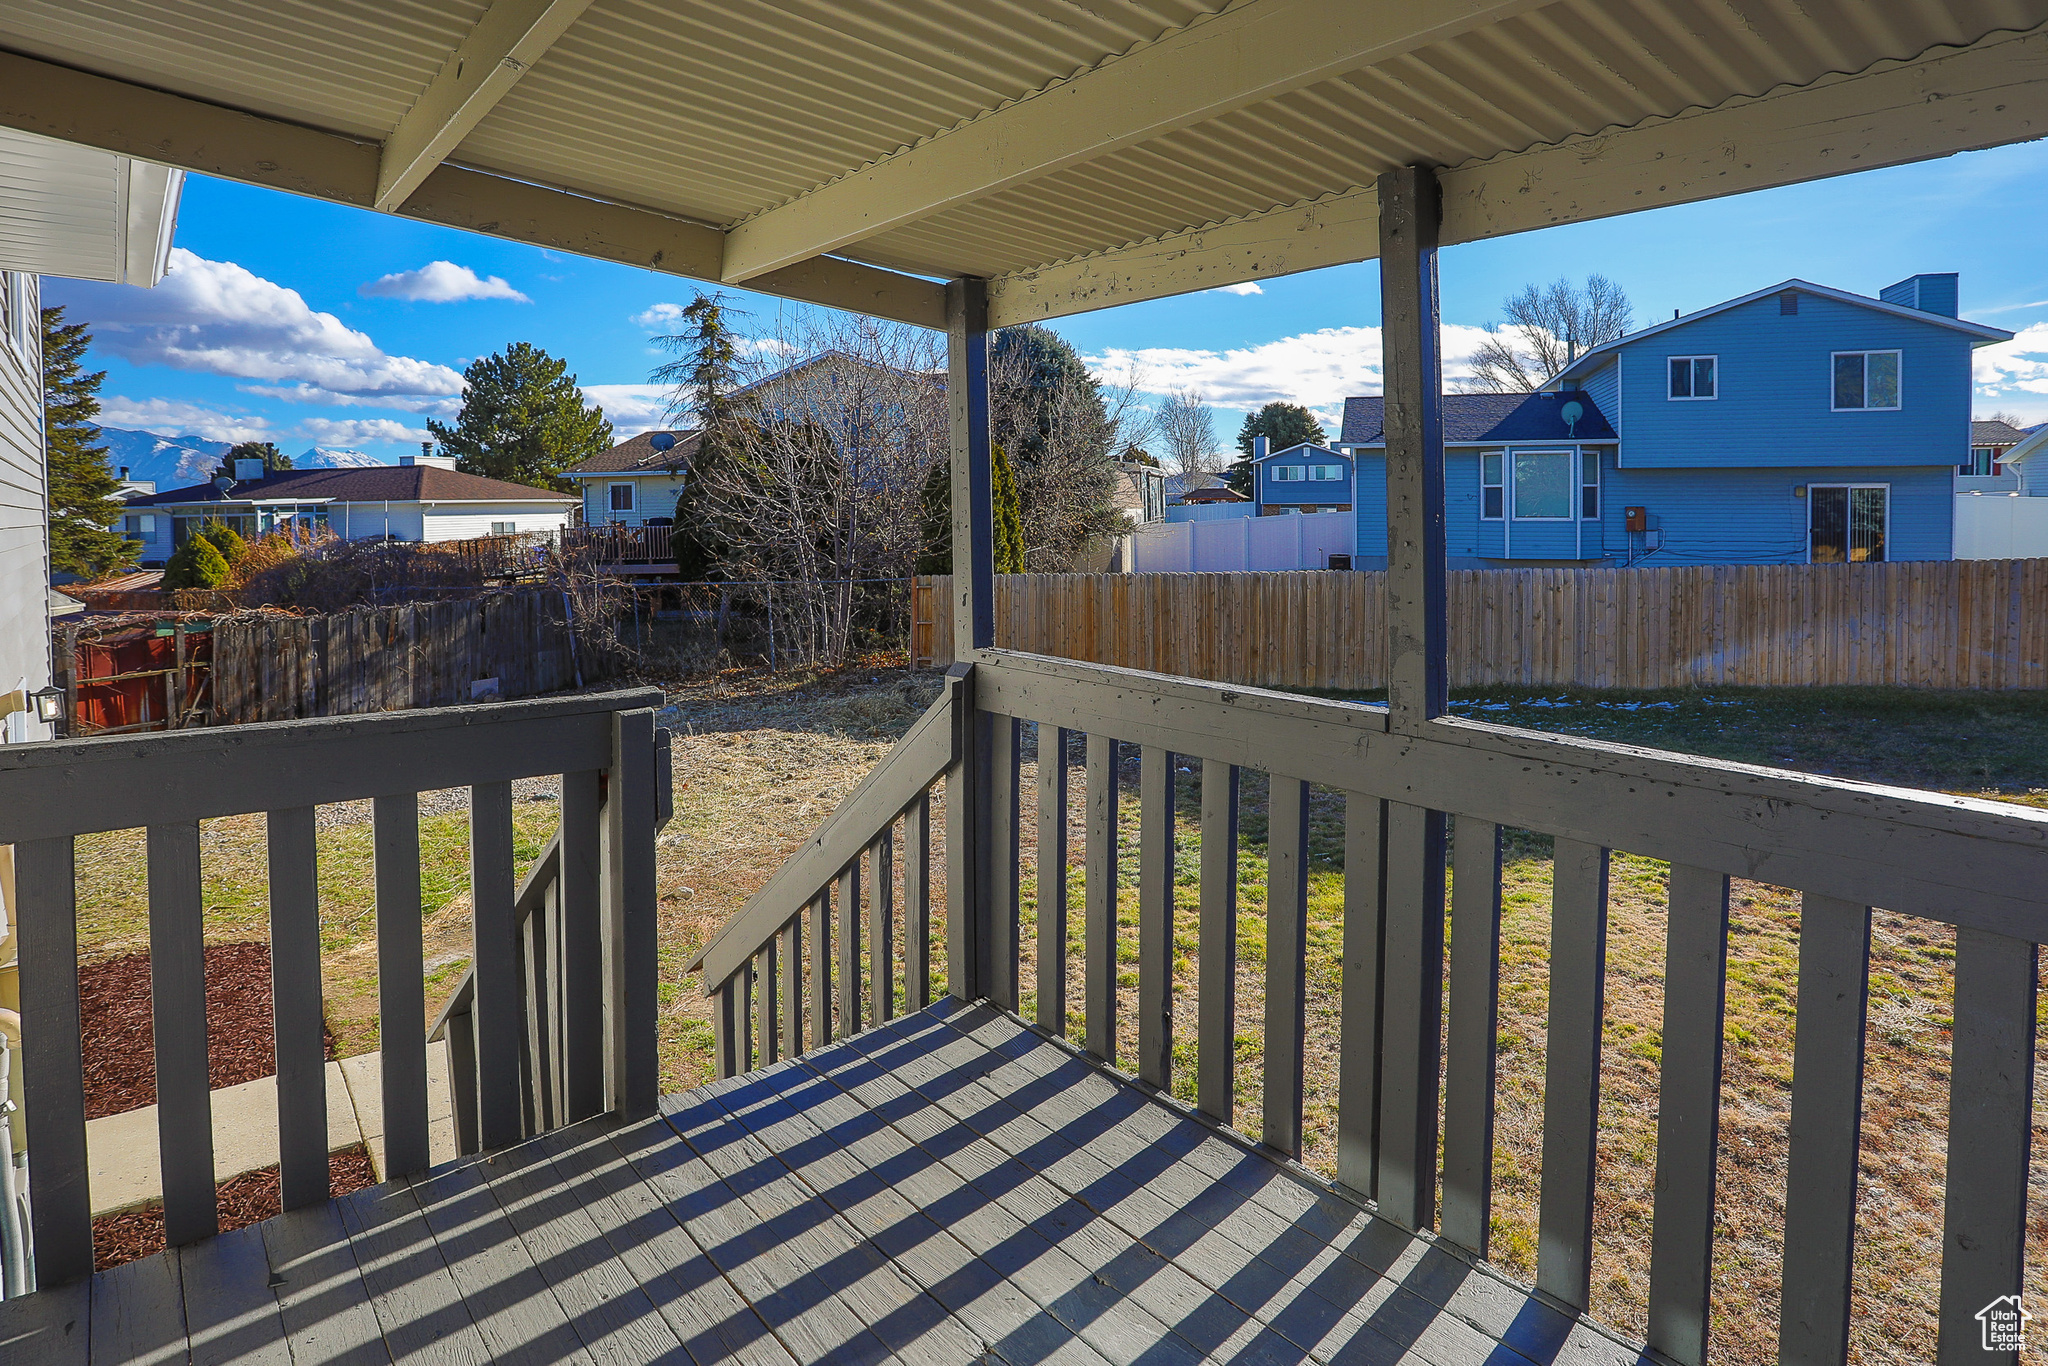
(917, 760)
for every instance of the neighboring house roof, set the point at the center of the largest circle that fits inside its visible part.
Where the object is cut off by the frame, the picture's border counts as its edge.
(383, 484)
(1995, 434)
(1597, 356)
(1180, 485)
(1302, 446)
(2034, 442)
(638, 456)
(1472, 419)
(1213, 495)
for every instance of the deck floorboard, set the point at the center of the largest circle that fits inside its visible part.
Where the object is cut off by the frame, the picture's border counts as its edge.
(951, 1187)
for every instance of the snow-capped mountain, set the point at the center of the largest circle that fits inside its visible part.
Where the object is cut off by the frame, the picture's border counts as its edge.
(172, 461)
(334, 458)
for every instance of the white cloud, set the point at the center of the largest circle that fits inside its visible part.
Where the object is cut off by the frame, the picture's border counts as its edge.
(631, 408)
(1318, 370)
(2021, 363)
(1242, 287)
(440, 282)
(216, 317)
(357, 431)
(184, 419)
(447, 405)
(661, 315)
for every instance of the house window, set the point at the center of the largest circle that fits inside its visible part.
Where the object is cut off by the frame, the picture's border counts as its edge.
(1589, 485)
(1846, 522)
(1543, 485)
(1695, 377)
(622, 497)
(1866, 380)
(1983, 460)
(1288, 474)
(1326, 472)
(503, 528)
(1491, 491)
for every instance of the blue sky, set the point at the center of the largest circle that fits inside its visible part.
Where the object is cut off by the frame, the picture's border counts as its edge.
(307, 323)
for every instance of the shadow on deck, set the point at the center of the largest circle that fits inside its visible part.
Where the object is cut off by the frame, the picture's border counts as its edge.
(950, 1187)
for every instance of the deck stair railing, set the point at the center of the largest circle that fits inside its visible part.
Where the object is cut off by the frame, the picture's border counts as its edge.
(597, 884)
(1846, 847)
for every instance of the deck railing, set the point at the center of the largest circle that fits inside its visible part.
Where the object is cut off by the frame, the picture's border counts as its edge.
(620, 544)
(598, 882)
(1846, 847)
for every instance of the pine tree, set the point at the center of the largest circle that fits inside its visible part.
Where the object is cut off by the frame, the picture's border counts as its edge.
(935, 555)
(81, 483)
(274, 460)
(523, 420)
(1283, 425)
(701, 380)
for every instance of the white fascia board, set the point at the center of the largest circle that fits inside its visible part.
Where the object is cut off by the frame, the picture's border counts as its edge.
(153, 195)
(1298, 446)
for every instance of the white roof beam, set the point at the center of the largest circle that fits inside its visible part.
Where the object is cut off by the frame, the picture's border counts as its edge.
(1958, 100)
(172, 130)
(510, 37)
(1255, 52)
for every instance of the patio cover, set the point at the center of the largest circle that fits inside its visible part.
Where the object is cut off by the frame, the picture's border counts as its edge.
(1076, 156)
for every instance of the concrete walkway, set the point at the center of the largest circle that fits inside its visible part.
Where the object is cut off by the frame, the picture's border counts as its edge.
(121, 1150)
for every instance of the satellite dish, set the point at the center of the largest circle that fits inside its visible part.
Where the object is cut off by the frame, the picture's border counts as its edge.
(1571, 413)
(662, 441)
(223, 483)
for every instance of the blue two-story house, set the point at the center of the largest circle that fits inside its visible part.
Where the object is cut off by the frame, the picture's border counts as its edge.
(1303, 478)
(1796, 424)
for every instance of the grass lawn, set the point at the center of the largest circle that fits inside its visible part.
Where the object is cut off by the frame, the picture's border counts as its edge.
(760, 761)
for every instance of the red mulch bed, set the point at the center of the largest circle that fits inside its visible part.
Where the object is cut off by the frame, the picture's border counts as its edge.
(247, 1199)
(120, 1062)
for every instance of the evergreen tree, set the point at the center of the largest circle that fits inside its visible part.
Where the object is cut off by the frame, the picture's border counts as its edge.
(523, 420)
(274, 460)
(701, 381)
(1283, 425)
(195, 564)
(935, 555)
(224, 538)
(81, 483)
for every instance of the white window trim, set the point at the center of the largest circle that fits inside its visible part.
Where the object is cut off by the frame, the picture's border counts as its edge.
(612, 501)
(1887, 513)
(1514, 512)
(1288, 474)
(1698, 398)
(1590, 459)
(1326, 474)
(1833, 356)
(1502, 485)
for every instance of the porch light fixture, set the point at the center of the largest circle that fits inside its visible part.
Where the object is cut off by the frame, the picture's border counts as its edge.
(49, 703)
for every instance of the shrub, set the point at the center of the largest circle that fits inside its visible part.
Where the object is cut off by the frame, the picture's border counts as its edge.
(225, 539)
(197, 564)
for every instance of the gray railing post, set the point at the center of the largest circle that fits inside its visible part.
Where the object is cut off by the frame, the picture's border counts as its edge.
(632, 1055)
(969, 795)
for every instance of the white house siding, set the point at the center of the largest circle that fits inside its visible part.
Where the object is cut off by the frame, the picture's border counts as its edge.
(654, 495)
(475, 520)
(370, 521)
(153, 529)
(24, 535)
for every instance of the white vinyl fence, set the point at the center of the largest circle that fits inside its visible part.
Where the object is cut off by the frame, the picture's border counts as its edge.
(2001, 526)
(1242, 544)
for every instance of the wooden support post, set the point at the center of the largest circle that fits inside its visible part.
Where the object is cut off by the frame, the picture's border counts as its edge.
(631, 951)
(969, 795)
(1411, 214)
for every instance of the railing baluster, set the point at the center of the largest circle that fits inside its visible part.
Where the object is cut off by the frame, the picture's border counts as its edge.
(882, 925)
(1100, 966)
(1358, 1059)
(1411, 1015)
(1990, 1127)
(1688, 1114)
(582, 918)
(1216, 987)
(52, 1059)
(792, 960)
(1004, 811)
(1155, 916)
(631, 938)
(767, 1028)
(743, 1016)
(500, 995)
(461, 1082)
(1571, 1080)
(917, 902)
(1286, 967)
(401, 1001)
(177, 989)
(1826, 1131)
(849, 949)
(725, 1031)
(295, 1008)
(821, 968)
(1052, 879)
(1473, 1034)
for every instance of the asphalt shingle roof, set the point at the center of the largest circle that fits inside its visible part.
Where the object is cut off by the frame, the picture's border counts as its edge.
(1487, 417)
(383, 483)
(1995, 434)
(638, 455)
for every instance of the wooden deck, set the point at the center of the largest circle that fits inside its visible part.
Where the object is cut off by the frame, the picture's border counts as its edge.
(947, 1188)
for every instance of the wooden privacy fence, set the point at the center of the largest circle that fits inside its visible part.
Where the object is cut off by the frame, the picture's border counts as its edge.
(275, 668)
(1940, 624)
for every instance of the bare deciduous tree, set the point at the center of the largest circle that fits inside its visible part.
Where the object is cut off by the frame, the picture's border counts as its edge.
(1187, 427)
(1546, 330)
